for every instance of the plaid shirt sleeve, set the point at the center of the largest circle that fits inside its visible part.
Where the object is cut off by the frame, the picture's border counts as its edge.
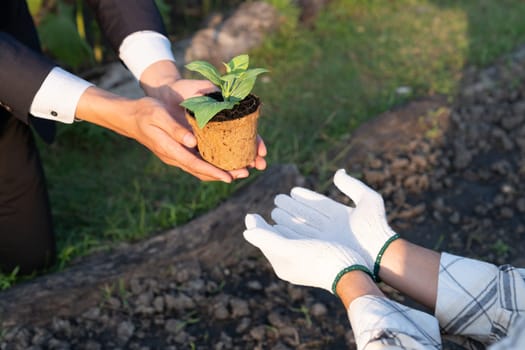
(479, 300)
(380, 323)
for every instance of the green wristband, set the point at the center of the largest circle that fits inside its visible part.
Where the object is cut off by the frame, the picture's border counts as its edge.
(375, 275)
(345, 271)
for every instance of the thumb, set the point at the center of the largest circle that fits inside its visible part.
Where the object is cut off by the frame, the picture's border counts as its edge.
(266, 240)
(350, 186)
(314, 200)
(260, 233)
(252, 221)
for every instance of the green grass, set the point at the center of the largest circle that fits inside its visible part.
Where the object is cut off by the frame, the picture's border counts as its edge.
(323, 83)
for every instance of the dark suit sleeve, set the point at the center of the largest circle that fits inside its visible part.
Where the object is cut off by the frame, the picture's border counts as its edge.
(120, 18)
(22, 71)
(23, 68)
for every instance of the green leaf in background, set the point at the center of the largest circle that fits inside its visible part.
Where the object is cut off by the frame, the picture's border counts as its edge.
(207, 70)
(34, 6)
(205, 107)
(60, 37)
(165, 11)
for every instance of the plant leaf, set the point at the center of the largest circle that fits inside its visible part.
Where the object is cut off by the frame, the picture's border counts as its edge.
(240, 62)
(253, 73)
(245, 83)
(230, 77)
(205, 108)
(207, 70)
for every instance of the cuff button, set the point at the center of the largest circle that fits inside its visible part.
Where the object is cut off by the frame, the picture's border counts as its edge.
(6, 107)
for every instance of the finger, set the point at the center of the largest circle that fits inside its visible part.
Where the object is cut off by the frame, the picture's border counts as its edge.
(265, 240)
(302, 211)
(200, 177)
(255, 221)
(350, 186)
(200, 169)
(191, 171)
(179, 133)
(207, 87)
(260, 163)
(173, 153)
(261, 147)
(294, 223)
(288, 233)
(315, 200)
(239, 173)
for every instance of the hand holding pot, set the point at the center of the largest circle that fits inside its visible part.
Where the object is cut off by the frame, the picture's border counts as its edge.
(163, 82)
(147, 121)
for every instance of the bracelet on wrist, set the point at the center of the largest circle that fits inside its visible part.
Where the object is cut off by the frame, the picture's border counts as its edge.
(377, 264)
(345, 271)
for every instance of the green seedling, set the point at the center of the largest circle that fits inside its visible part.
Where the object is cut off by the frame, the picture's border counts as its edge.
(235, 85)
(306, 313)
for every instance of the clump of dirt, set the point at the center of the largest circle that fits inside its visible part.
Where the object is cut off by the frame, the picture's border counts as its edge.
(452, 178)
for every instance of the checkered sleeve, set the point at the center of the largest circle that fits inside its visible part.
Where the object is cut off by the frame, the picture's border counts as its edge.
(380, 323)
(479, 300)
(515, 339)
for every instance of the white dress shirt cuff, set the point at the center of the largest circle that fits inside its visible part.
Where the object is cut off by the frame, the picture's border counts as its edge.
(380, 323)
(58, 96)
(141, 49)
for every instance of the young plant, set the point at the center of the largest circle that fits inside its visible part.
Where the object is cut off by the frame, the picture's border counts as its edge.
(235, 85)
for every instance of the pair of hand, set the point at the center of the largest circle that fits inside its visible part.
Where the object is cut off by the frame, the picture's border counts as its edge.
(157, 121)
(316, 240)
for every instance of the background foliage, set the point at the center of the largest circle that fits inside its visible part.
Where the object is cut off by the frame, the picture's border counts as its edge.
(71, 35)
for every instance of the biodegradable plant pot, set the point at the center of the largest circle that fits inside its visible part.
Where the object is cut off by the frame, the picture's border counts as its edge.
(229, 139)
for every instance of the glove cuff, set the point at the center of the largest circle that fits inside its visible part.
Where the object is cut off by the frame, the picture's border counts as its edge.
(377, 263)
(345, 271)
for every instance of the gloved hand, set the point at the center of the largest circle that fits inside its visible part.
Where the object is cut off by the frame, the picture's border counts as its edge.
(300, 259)
(363, 228)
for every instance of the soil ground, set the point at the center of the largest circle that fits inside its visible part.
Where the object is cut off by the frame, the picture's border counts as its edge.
(451, 173)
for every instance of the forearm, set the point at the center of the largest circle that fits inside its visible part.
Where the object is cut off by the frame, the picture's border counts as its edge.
(355, 284)
(158, 77)
(471, 298)
(106, 109)
(413, 270)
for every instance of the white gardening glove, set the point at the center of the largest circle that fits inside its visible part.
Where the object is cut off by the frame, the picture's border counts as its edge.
(301, 259)
(363, 228)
